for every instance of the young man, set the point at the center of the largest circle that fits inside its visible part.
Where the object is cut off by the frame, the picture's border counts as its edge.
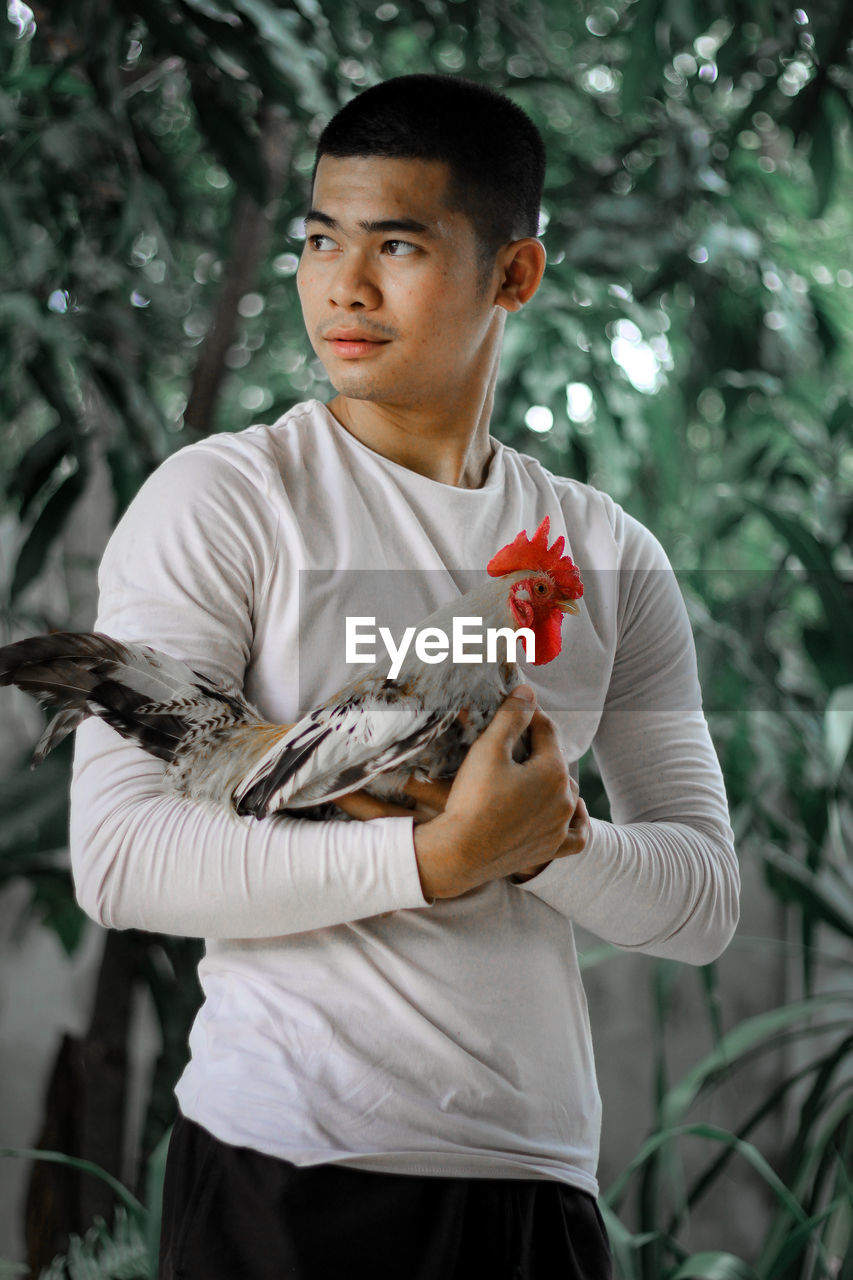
(392, 1073)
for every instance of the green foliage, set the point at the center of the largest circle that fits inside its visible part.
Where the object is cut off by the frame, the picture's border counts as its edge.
(690, 347)
(102, 1254)
(812, 1195)
(125, 1197)
(127, 1249)
(119, 1252)
(33, 840)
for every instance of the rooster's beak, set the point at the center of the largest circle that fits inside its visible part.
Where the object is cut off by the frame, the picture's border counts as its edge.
(568, 606)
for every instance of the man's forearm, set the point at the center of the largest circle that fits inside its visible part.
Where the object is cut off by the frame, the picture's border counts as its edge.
(146, 858)
(668, 889)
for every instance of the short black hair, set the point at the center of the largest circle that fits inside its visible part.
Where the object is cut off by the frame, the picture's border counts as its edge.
(493, 149)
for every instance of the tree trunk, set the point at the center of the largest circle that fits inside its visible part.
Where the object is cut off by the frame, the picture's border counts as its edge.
(85, 1111)
(52, 1209)
(251, 227)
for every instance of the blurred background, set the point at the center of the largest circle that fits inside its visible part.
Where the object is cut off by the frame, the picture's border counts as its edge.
(690, 352)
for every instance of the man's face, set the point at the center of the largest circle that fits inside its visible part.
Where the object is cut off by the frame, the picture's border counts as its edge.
(390, 283)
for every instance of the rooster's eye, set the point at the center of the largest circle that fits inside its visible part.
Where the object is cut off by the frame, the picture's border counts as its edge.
(540, 588)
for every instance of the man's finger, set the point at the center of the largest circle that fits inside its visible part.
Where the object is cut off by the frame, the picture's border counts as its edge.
(543, 734)
(577, 835)
(509, 721)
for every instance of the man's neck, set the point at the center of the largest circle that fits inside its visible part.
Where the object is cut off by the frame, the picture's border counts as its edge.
(454, 452)
(448, 442)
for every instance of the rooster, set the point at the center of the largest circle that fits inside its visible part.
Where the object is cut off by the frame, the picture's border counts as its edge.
(374, 733)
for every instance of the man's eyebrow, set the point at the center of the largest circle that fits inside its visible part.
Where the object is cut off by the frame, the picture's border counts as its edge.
(375, 227)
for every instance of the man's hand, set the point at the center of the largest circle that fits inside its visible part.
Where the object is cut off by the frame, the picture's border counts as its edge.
(575, 841)
(503, 818)
(492, 828)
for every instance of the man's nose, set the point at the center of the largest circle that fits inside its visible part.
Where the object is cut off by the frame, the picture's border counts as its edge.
(353, 285)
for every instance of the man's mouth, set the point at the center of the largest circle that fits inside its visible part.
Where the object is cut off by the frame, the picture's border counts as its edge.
(352, 343)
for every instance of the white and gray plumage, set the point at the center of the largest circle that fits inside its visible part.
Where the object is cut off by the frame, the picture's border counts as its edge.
(373, 733)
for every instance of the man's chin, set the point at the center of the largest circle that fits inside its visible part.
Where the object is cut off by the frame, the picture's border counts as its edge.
(363, 384)
(356, 387)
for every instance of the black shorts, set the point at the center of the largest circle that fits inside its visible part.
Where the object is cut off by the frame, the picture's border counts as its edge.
(230, 1213)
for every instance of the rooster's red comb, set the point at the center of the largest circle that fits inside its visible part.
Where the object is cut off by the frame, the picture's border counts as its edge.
(534, 553)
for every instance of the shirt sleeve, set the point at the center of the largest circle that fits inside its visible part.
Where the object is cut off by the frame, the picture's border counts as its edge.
(183, 572)
(662, 876)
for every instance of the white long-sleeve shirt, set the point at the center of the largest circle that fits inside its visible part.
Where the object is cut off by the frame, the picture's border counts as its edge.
(345, 1017)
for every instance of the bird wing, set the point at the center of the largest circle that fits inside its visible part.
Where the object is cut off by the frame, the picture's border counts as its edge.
(341, 746)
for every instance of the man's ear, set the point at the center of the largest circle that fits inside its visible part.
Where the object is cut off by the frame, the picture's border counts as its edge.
(521, 264)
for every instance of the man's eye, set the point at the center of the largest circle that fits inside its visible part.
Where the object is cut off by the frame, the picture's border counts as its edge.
(321, 244)
(399, 248)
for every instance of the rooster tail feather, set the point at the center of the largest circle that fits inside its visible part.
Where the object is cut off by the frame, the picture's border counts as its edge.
(146, 696)
(63, 723)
